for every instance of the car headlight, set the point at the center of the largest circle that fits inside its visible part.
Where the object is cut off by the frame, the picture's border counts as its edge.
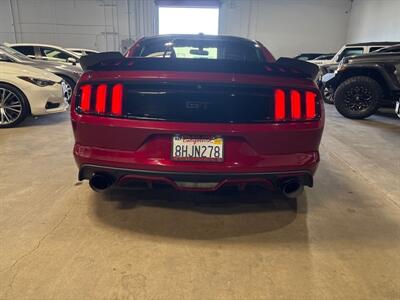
(38, 81)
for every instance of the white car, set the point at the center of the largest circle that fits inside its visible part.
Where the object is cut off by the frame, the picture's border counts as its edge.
(25, 90)
(46, 52)
(81, 51)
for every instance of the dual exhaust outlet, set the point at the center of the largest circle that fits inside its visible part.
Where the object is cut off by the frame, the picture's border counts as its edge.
(290, 188)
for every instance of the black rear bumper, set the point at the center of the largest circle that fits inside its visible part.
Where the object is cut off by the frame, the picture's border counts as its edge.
(122, 177)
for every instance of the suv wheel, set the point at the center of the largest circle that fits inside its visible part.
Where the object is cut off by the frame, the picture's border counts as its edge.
(358, 97)
(13, 106)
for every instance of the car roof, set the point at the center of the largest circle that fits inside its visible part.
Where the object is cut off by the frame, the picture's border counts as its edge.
(199, 36)
(374, 44)
(312, 53)
(80, 49)
(41, 45)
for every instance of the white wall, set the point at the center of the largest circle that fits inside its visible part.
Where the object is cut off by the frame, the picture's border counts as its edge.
(288, 27)
(374, 20)
(95, 24)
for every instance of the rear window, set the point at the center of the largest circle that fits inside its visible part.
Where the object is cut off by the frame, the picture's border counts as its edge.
(200, 49)
(27, 50)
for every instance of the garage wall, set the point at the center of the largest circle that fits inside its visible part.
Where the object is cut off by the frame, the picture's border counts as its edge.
(374, 20)
(96, 24)
(288, 27)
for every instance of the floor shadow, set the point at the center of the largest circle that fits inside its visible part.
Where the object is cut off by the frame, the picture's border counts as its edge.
(45, 120)
(197, 216)
(387, 112)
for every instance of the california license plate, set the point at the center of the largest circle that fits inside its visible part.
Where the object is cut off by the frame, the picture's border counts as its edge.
(193, 148)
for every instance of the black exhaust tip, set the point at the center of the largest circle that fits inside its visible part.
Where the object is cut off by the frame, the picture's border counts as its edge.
(292, 188)
(100, 182)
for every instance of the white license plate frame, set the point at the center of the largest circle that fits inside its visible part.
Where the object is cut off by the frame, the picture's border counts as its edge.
(197, 148)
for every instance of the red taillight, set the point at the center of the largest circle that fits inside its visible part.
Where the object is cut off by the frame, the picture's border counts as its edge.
(310, 105)
(86, 93)
(116, 99)
(101, 101)
(295, 104)
(101, 98)
(280, 111)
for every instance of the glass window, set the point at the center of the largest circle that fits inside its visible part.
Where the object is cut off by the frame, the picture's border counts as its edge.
(53, 54)
(14, 53)
(201, 49)
(393, 49)
(372, 49)
(27, 50)
(350, 52)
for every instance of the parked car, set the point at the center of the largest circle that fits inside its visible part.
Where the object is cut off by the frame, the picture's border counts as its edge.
(392, 49)
(47, 52)
(364, 83)
(346, 51)
(322, 59)
(25, 90)
(81, 51)
(69, 73)
(308, 56)
(197, 112)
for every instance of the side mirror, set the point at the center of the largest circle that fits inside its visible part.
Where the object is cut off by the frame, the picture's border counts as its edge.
(71, 60)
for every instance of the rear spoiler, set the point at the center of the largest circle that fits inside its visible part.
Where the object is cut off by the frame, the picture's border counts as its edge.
(113, 61)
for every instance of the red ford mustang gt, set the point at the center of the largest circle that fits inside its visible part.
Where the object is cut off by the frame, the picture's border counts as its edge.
(197, 112)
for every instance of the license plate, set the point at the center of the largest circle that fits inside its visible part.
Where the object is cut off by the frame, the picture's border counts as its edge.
(189, 148)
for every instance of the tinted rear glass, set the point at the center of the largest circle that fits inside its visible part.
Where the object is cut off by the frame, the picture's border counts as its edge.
(200, 49)
(27, 50)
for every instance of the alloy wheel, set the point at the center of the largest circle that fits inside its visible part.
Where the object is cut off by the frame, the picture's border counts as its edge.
(10, 107)
(67, 91)
(358, 98)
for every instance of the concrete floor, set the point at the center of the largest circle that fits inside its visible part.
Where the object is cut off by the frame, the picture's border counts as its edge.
(60, 240)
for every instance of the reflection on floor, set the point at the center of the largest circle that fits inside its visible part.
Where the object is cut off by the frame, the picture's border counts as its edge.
(339, 240)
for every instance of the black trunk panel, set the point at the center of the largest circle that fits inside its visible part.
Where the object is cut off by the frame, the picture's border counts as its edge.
(208, 103)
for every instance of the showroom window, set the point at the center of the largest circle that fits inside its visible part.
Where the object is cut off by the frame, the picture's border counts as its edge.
(188, 17)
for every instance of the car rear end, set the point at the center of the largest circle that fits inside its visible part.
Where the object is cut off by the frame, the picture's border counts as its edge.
(196, 124)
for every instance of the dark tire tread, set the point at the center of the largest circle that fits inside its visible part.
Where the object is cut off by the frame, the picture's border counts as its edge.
(373, 85)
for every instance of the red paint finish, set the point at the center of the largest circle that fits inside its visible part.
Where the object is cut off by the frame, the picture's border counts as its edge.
(286, 146)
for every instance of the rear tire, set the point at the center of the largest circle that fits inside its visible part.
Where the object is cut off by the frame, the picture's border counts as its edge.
(14, 107)
(358, 97)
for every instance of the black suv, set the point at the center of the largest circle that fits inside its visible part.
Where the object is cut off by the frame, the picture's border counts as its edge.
(362, 84)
